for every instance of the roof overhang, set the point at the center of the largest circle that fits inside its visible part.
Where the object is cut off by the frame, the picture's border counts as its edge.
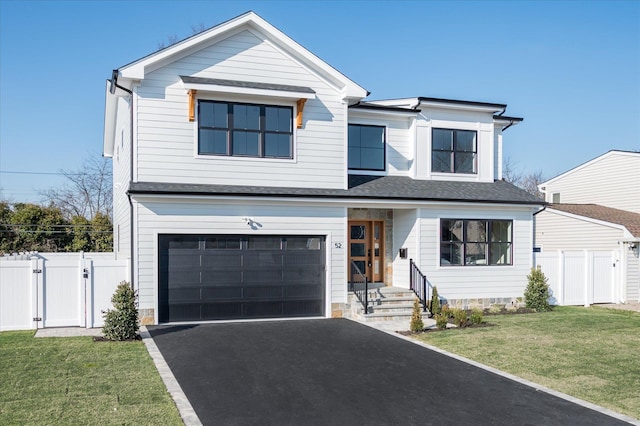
(214, 85)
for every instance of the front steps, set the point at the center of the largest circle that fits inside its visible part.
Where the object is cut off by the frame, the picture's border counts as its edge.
(385, 304)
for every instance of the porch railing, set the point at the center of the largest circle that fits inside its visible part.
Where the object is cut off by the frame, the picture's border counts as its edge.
(359, 285)
(418, 283)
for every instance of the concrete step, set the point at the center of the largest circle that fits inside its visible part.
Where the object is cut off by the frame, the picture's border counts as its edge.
(396, 316)
(392, 307)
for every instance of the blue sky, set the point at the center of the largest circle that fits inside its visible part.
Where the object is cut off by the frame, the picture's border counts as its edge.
(571, 69)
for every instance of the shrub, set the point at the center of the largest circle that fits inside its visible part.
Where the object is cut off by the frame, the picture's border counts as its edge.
(121, 323)
(459, 317)
(536, 295)
(476, 316)
(416, 317)
(434, 305)
(446, 311)
(441, 321)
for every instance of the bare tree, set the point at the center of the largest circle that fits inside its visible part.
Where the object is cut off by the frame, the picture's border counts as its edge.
(528, 182)
(87, 192)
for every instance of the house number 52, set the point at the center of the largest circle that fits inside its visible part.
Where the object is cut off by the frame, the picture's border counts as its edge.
(337, 245)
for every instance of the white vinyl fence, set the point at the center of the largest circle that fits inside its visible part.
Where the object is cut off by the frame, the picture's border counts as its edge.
(580, 277)
(58, 289)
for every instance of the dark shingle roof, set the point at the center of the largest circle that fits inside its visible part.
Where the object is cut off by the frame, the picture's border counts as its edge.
(245, 84)
(361, 187)
(628, 219)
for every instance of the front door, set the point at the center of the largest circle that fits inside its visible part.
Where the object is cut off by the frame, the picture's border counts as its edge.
(366, 248)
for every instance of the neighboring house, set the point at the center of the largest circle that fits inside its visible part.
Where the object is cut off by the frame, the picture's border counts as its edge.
(249, 176)
(596, 208)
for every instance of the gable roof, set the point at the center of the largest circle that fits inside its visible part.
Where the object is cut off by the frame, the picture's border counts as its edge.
(609, 153)
(397, 188)
(136, 70)
(629, 220)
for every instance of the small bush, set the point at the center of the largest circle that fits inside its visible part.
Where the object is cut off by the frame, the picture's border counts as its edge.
(459, 317)
(441, 321)
(434, 305)
(476, 316)
(446, 311)
(121, 323)
(416, 317)
(536, 295)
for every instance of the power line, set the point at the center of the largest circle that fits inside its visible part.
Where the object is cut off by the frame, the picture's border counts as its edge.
(18, 172)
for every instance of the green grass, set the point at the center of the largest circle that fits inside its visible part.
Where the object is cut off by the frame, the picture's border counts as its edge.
(590, 353)
(79, 381)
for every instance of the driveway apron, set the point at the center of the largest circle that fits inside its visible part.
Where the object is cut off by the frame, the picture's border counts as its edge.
(338, 372)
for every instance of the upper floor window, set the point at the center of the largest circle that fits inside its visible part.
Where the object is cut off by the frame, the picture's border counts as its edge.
(366, 147)
(475, 242)
(236, 129)
(454, 151)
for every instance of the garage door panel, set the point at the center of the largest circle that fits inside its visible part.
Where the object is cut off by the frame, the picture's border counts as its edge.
(221, 293)
(208, 277)
(220, 278)
(216, 259)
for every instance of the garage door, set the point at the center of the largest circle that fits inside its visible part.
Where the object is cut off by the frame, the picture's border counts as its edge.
(211, 277)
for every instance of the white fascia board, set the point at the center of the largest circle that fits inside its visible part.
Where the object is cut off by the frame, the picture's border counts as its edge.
(366, 113)
(458, 107)
(110, 114)
(401, 102)
(137, 69)
(343, 202)
(622, 228)
(216, 88)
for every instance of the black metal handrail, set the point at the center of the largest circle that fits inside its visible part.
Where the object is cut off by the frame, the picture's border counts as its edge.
(418, 283)
(359, 284)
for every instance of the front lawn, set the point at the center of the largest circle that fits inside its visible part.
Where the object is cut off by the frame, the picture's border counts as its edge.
(77, 381)
(590, 353)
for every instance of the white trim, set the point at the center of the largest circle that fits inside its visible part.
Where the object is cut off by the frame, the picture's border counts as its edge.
(348, 202)
(622, 228)
(272, 93)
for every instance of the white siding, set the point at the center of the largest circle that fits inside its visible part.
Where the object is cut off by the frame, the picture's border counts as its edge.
(405, 229)
(121, 178)
(471, 282)
(612, 180)
(554, 231)
(166, 144)
(201, 217)
(482, 123)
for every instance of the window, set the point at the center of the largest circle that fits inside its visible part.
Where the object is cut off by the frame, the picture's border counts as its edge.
(236, 129)
(475, 242)
(366, 147)
(454, 151)
(556, 198)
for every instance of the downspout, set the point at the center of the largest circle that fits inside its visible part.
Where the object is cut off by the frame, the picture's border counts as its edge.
(509, 125)
(112, 90)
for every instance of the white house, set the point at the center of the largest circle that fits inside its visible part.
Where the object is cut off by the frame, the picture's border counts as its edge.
(595, 211)
(250, 177)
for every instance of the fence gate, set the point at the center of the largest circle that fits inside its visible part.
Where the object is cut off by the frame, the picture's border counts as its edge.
(59, 290)
(580, 277)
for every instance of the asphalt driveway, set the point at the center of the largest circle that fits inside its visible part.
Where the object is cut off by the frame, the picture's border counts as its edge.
(338, 372)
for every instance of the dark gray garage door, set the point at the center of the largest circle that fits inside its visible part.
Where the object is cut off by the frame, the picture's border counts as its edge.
(209, 277)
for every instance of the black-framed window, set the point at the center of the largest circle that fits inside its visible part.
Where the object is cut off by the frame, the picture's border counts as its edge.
(476, 242)
(454, 151)
(249, 130)
(366, 147)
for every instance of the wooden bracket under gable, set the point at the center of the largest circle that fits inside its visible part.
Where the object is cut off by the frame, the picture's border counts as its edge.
(300, 105)
(192, 104)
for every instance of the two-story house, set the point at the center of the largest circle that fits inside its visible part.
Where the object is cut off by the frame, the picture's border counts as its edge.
(251, 178)
(595, 208)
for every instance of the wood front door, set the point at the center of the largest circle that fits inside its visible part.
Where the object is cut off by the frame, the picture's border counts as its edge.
(366, 248)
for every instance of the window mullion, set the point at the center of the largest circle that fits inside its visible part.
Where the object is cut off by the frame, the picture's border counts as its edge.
(230, 128)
